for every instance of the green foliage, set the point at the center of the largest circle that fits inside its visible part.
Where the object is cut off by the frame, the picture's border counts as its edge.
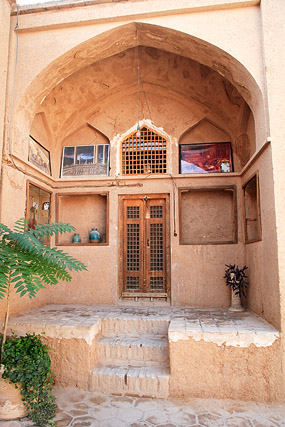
(26, 362)
(30, 265)
(27, 265)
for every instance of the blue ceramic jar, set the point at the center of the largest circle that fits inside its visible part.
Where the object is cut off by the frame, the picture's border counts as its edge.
(94, 236)
(76, 238)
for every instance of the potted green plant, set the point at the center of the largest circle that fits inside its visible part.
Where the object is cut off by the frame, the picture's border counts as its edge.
(27, 367)
(28, 265)
(236, 279)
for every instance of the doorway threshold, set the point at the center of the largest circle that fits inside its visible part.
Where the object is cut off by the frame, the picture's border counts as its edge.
(144, 299)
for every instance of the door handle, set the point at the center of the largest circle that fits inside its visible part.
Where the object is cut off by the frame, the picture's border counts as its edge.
(147, 242)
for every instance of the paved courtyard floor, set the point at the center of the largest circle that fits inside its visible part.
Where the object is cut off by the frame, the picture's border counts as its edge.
(77, 408)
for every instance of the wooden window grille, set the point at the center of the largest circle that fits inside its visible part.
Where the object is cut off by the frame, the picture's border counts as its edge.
(145, 154)
(156, 284)
(133, 247)
(156, 247)
(133, 283)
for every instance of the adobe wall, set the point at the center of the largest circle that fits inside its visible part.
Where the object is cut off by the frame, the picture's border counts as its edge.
(226, 371)
(263, 296)
(5, 11)
(274, 58)
(50, 84)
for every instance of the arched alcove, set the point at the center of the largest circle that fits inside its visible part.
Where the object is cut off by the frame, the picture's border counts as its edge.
(146, 45)
(205, 131)
(86, 142)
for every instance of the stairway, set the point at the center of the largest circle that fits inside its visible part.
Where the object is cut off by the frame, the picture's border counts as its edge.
(133, 357)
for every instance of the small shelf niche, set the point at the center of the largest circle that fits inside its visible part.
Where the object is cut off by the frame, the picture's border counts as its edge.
(84, 212)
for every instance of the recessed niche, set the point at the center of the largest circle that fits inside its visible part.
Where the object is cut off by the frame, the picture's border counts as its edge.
(38, 206)
(84, 212)
(208, 216)
(252, 210)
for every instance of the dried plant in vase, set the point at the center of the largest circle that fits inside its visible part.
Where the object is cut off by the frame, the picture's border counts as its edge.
(236, 279)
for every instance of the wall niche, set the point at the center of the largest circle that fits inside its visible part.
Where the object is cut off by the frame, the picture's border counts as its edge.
(208, 216)
(84, 212)
(252, 210)
(38, 207)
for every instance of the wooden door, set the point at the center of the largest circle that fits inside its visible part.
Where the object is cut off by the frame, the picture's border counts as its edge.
(145, 248)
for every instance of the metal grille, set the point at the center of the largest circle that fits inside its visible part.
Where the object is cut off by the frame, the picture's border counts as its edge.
(145, 154)
(133, 212)
(156, 283)
(133, 247)
(156, 212)
(133, 283)
(156, 247)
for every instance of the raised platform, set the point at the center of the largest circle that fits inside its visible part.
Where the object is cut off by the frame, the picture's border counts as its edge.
(159, 352)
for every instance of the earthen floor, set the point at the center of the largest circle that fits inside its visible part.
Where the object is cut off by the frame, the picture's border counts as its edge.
(77, 408)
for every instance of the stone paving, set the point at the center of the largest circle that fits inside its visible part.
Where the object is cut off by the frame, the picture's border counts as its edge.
(77, 408)
(77, 321)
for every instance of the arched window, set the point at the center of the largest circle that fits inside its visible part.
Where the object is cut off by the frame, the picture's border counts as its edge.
(144, 153)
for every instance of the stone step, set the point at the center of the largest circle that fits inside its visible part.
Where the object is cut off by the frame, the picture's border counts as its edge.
(143, 351)
(135, 326)
(131, 380)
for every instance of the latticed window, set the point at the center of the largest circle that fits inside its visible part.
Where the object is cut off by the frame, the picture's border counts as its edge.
(144, 154)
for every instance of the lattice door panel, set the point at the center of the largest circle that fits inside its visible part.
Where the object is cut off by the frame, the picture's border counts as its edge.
(144, 245)
(133, 242)
(155, 248)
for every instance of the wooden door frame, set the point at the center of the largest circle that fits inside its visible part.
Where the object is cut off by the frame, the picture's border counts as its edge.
(142, 196)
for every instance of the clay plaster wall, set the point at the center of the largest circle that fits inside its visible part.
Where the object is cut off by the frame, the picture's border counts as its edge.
(86, 84)
(241, 373)
(41, 132)
(5, 10)
(71, 361)
(264, 295)
(274, 58)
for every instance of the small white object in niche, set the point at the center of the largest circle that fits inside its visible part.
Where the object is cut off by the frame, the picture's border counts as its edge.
(45, 206)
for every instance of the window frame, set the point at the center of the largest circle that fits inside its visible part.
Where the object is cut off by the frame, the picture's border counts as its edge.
(137, 138)
(95, 154)
(202, 146)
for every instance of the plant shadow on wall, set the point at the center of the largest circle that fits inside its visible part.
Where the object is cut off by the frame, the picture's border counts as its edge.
(28, 265)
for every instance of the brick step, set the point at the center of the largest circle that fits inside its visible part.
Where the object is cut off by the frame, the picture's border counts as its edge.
(136, 381)
(143, 351)
(135, 326)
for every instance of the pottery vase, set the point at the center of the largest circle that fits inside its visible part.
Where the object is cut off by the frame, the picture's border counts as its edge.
(76, 238)
(236, 302)
(94, 236)
(11, 404)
